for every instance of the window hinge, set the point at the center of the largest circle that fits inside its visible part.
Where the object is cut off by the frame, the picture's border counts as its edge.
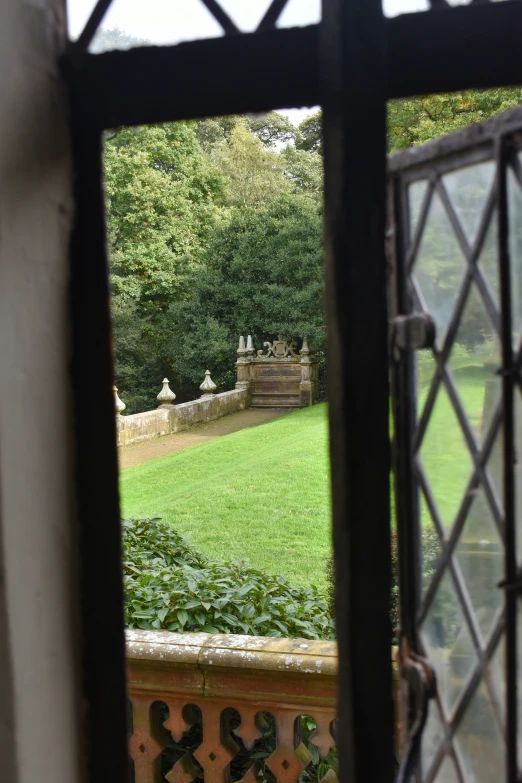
(413, 332)
(422, 686)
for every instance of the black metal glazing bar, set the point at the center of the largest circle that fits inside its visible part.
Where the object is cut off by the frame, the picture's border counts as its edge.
(100, 549)
(503, 154)
(272, 15)
(355, 197)
(234, 74)
(466, 47)
(94, 21)
(221, 16)
(426, 53)
(404, 407)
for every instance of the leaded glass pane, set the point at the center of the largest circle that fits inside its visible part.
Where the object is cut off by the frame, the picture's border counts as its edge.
(416, 195)
(425, 367)
(156, 22)
(248, 15)
(446, 458)
(447, 772)
(439, 267)
(479, 742)
(488, 259)
(296, 13)
(451, 269)
(448, 642)
(392, 8)
(518, 471)
(480, 555)
(430, 544)
(474, 361)
(432, 737)
(515, 251)
(468, 189)
(495, 467)
(497, 679)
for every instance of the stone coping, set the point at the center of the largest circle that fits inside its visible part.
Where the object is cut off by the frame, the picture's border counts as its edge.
(271, 670)
(170, 419)
(303, 656)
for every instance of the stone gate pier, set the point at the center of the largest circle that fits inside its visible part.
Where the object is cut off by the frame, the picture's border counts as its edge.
(277, 377)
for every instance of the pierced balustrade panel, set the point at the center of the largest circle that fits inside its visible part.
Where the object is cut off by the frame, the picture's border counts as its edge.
(231, 708)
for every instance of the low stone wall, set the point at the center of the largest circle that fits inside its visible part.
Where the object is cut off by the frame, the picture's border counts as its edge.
(168, 419)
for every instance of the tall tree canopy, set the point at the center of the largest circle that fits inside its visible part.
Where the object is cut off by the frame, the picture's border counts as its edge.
(413, 121)
(262, 276)
(252, 173)
(215, 229)
(161, 197)
(418, 120)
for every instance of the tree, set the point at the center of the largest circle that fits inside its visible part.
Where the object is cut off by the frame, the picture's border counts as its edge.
(418, 120)
(273, 128)
(141, 357)
(263, 275)
(311, 132)
(413, 121)
(304, 170)
(212, 132)
(105, 40)
(160, 195)
(252, 173)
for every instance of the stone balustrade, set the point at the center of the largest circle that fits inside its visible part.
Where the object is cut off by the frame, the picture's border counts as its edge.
(202, 704)
(169, 419)
(276, 377)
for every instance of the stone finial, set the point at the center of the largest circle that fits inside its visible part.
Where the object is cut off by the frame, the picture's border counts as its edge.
(208, 386)
(250, 346)
(118, 404)
(241, 350)
(305, 350)
(166, 395)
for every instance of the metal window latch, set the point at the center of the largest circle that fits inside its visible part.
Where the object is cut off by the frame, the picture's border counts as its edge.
(412, 332)
(422, 686)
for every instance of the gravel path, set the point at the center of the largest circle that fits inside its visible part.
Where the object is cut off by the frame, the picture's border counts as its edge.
(137, 453)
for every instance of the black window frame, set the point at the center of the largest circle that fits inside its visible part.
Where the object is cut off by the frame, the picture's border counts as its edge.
(350, 64)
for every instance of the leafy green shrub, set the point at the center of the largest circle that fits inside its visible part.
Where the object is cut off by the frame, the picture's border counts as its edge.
(170, 585)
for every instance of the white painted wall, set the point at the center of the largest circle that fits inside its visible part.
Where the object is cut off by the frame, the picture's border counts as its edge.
(39, 740)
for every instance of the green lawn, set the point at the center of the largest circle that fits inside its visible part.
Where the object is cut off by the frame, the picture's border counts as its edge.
(444, 453)
(261, 493)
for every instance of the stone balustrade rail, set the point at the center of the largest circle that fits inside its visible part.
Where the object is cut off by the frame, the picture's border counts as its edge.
(201, 704)
(169, 419)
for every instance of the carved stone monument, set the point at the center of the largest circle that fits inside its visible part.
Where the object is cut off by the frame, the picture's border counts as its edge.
(277, 377)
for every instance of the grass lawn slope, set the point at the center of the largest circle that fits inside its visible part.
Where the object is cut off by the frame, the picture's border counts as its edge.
(261, 493)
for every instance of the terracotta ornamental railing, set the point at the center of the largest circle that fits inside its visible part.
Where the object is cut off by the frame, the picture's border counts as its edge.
(220, 707)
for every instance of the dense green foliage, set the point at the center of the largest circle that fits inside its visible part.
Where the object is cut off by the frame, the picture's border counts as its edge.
(263, 276)
(413, 121)
(170, 585)
(215, 230)
(177, 195)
